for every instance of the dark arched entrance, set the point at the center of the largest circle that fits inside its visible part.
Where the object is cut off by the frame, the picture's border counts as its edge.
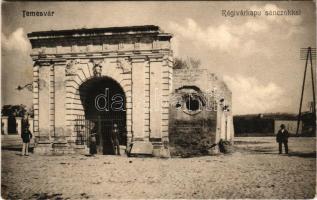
(103, 100)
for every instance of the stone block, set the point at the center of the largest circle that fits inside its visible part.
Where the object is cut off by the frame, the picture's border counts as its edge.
(160, 151)
(83, 150)
(43, 148)
(214, 150)
(141, 148)
(165, 153)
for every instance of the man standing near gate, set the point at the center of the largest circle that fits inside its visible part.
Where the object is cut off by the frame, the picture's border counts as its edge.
(115, 139)
(282, 138)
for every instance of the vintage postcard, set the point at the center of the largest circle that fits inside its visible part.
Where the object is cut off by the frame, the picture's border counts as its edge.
(158, 100)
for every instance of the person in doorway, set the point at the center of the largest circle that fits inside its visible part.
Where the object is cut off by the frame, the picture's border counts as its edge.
(93, 142)
(115, 139)
(282, 138)
(26, 134)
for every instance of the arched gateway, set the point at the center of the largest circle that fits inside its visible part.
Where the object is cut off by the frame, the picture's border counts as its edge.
(104, 105)
(103, 76)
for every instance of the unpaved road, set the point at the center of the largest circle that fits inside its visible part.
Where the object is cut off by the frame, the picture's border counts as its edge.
(254, 170)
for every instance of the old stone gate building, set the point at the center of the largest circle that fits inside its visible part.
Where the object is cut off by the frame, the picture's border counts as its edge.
(89, 79)
(130, 66)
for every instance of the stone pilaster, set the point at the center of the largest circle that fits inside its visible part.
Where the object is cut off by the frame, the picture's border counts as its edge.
(60, 100)
(156, 98)
(166, 91)
(44, 102)
(41, 100)
(138, 98)
(140, 110)
(160, 89)
(51, 101)
(127, 86)
(36, 100)
(70, 89)
(147, 115)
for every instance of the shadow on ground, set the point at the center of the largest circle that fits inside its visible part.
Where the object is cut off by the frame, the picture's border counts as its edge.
(303, 154)
(249, 142)
(269, 150)
(16, 148)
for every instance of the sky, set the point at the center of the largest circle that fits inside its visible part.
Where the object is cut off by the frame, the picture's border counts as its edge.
(257, 56)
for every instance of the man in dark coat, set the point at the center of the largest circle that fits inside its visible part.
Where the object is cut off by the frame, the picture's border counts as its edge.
(115, 139)
(282, 138)
(25, 121)
(26, 135)
(93, 141)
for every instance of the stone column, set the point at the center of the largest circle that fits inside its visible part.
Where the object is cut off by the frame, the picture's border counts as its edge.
(4, 121)
(19, 124)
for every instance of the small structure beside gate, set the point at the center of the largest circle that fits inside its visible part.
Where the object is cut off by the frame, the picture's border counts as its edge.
(200, 113)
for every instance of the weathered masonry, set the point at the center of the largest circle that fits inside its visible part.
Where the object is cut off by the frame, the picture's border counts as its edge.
(200, 113)
(90, 78)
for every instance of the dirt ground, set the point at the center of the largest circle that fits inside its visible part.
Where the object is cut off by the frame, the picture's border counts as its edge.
(254, 170)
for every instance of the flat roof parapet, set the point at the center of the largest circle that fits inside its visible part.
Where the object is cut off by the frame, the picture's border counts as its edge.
(126, 30)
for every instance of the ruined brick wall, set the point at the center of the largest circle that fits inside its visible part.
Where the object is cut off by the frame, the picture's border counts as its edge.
(192, 135)
(195, 131)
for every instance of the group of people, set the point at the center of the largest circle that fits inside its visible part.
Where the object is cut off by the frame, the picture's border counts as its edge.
(113, 140)
(26, 135)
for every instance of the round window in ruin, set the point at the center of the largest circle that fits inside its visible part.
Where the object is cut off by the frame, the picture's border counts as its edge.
(192, 104)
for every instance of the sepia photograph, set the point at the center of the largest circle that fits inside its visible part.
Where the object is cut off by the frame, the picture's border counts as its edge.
(158, 100)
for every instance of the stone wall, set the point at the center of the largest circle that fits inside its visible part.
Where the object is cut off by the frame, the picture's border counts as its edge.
(192, 135)
(196, 130)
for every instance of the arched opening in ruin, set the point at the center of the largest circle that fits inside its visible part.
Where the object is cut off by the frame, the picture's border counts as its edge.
(192, 103)
(191, 99)
(104, 103)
